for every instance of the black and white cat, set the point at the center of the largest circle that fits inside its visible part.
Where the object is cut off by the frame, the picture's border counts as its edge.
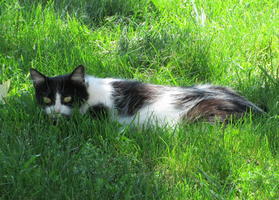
(130, 101)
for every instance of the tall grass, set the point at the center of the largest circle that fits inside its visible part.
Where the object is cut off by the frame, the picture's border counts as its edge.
(176, 42)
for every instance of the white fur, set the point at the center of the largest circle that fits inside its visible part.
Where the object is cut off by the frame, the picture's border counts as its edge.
(161, 112)
(100, 91)
(58, 107)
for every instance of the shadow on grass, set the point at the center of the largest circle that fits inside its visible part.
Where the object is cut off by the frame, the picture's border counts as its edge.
(98, 12)
(158, 46)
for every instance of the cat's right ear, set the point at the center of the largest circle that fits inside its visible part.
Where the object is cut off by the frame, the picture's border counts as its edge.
(78, 74)
(37, 77)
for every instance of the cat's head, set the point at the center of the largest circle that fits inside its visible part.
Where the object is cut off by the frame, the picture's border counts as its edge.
(58, 95)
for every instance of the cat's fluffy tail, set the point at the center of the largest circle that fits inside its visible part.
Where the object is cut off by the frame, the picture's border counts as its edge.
(218, 109)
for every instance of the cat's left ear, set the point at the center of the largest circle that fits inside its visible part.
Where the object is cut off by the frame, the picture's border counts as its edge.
(37, 76)
(78, 74)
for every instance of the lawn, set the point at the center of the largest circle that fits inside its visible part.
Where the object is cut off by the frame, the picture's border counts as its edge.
(171, 42)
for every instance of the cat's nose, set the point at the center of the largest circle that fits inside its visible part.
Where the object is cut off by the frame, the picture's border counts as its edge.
(57, 110)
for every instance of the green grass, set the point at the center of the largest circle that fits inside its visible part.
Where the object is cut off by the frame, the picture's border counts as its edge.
(157, 41)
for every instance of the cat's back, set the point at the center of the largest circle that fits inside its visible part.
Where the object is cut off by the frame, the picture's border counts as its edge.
(166, 104)
(173, 104)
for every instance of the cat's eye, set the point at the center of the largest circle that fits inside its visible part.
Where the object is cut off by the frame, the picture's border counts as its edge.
(67, 99)
(47, 100)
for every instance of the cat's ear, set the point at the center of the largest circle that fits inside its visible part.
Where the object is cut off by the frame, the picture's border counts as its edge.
(78, 74)
(37, 77)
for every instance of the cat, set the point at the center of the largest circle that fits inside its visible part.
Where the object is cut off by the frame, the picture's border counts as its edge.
(131, 101)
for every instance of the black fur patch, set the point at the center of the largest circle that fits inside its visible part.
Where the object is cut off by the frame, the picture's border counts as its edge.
(99, 111)
(227, 91)
(185, 98)
(130, 96)
(190, 95)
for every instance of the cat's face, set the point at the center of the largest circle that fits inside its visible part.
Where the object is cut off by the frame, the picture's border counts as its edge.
(57, 95)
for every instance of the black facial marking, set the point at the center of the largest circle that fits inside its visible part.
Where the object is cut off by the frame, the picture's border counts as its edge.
(130, 96)
(63, 85)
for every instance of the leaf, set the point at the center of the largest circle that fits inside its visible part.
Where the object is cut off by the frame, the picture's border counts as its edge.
(4, 88)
